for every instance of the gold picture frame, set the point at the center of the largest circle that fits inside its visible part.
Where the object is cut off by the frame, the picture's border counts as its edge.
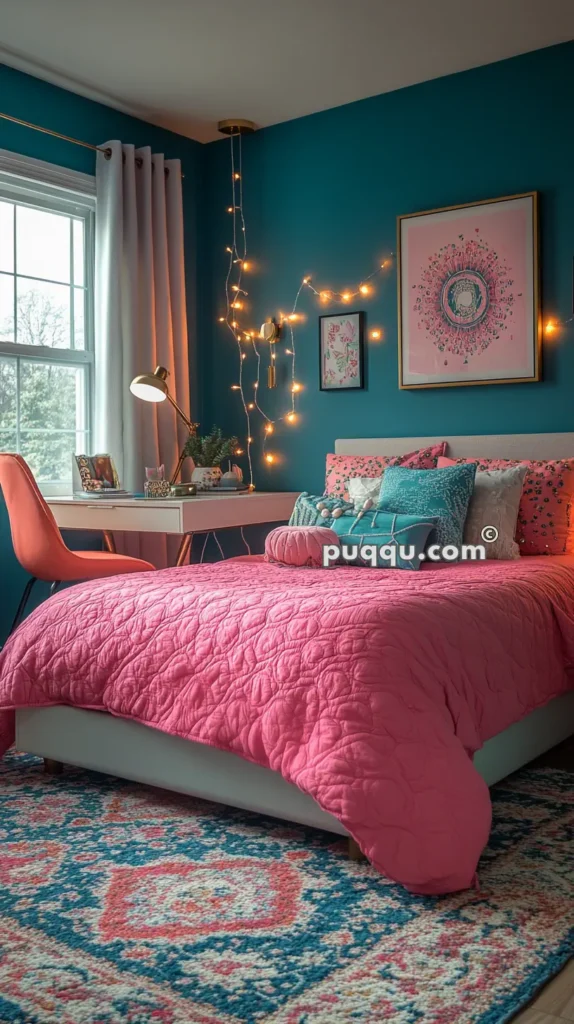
(531, 302)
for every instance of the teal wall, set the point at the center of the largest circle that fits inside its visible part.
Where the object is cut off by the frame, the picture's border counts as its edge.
(32, 100)
(322, 194)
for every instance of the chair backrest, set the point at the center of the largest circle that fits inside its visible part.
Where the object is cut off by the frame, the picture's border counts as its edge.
(37, 541)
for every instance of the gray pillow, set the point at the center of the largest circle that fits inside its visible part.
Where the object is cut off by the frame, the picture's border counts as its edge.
(495, 502)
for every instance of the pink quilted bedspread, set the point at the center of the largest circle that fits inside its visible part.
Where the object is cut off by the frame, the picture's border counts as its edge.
(368, 689)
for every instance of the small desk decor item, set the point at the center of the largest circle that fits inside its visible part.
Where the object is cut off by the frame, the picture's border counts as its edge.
(97, 474)
(341, 351)
(208, 453)
(468, 294)
(156, 486)
(233, 479)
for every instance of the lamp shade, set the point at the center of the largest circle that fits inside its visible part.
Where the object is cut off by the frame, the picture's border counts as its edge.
(151, 387)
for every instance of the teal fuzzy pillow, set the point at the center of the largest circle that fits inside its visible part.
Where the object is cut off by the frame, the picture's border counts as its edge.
(442, 493)
(306, 512)
(385, 528)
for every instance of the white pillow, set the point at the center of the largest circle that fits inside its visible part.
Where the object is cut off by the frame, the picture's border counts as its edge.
(495, 502)
(362, 487)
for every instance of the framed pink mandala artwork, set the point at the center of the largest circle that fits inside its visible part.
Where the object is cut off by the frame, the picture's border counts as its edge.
(341, 352)
(469, 294)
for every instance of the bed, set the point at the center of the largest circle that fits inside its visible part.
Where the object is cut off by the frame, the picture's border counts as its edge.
(278, 769)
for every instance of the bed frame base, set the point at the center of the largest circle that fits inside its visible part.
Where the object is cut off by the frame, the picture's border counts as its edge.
(118, 746)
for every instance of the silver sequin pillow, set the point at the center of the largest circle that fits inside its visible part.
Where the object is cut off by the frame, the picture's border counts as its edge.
(494, 502)
(361, 488)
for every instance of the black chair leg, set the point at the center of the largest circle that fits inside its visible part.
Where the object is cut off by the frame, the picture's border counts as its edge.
(23, 602)
(54, 587)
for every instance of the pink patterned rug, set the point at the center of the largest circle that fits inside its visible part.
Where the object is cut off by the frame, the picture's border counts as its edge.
(125, 905)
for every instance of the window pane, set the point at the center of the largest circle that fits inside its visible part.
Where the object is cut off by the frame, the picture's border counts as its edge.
(8, 384)
(79, 317)
(7, 237)
(42, 244)
(49, 455)
(79, 252)
(6, 307)
(43, 312)
(8, 441)
(51, 397)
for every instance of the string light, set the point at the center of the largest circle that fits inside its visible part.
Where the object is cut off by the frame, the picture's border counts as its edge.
(376, 334)
(238, 264)
(554, 325)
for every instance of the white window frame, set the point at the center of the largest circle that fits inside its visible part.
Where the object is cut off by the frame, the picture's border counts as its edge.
(46, 186)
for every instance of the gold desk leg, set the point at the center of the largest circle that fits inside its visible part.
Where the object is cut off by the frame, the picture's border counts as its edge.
(52, 767)
(354, 850)
(184, 548)
(109, 542)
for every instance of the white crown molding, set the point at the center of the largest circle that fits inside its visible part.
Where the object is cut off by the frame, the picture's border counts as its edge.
(49, 174)
(47, 74)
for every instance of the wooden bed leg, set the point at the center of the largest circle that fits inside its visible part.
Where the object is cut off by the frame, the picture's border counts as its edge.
(52, 767)
(354, 850)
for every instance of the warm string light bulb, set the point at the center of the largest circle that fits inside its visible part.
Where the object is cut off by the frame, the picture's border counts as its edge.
(269, 428)
(270, 458)
(376, 334)
(551, 327)
(296, 387)
(364, 289)
(291, 417)
(345, 296)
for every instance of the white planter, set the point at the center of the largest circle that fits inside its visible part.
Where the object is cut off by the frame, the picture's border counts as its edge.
(206, 477)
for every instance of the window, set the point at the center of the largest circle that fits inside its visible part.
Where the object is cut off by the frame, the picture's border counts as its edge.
(46, 326)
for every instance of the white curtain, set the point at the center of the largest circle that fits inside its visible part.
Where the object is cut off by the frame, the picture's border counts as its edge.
(140, 316)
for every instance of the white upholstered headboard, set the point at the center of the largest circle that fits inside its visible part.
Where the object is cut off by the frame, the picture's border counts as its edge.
(488, 446)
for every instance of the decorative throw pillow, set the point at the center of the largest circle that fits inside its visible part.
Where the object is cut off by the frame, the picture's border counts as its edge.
(298, 545)
(546, 513)
(444, 493)
(340, 468)
(385, 529)
(494, 502)
(316, 510)
(362, 489)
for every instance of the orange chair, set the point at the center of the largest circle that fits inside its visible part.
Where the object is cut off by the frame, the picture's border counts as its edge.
(38, 543)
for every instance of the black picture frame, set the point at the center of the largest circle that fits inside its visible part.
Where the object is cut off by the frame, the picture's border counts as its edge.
(361, 350)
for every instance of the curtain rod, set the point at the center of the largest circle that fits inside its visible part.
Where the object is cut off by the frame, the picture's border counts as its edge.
(106, 150)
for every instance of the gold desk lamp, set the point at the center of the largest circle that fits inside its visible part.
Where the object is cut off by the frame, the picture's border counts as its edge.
(152, 387)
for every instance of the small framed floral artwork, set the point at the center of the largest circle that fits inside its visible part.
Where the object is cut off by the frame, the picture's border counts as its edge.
(341, 363)
(469, 306)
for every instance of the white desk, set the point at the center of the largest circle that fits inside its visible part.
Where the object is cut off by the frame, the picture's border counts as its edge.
(184, 516)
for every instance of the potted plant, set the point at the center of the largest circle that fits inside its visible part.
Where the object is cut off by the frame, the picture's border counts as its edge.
(208, 453)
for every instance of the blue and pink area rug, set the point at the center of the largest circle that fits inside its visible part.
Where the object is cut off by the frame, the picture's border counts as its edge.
(126, 905)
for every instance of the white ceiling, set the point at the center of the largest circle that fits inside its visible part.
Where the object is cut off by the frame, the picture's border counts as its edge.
(185, 64)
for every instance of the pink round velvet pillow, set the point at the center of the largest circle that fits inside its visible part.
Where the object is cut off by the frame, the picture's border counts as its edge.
(298, 545)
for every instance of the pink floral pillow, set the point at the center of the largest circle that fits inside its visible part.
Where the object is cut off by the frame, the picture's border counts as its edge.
(546, 512)
(341, 468)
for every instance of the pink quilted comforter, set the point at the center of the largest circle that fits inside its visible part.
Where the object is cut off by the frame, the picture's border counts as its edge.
(368, 689)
